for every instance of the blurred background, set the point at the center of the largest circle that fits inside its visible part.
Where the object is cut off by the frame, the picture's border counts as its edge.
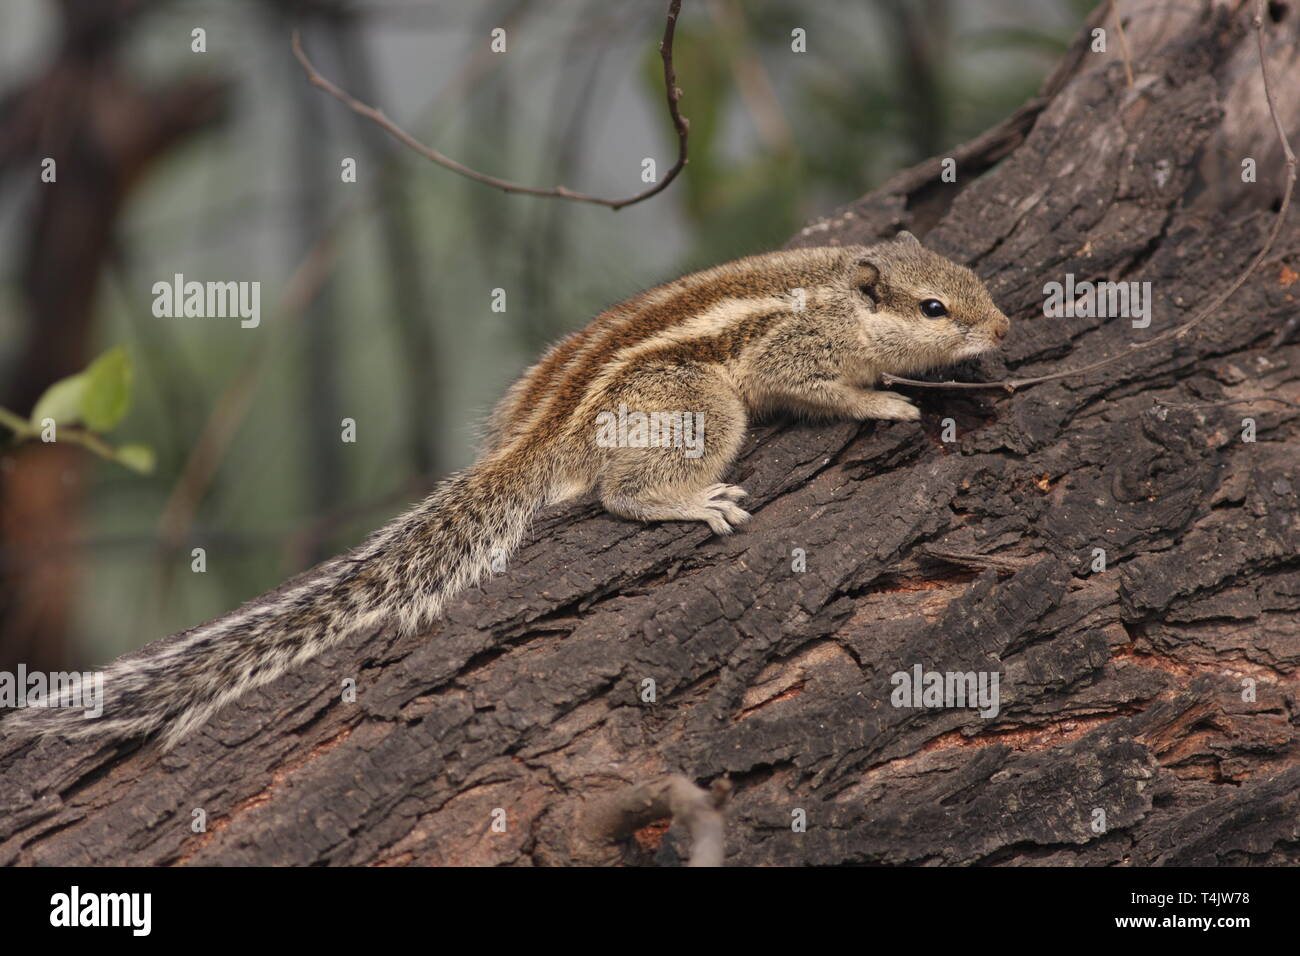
(377, 295)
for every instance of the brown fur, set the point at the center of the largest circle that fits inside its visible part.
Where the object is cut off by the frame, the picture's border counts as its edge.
(651, 355)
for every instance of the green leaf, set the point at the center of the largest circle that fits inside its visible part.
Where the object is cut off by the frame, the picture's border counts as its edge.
(61, 401)
(137, 457)
(107, 395)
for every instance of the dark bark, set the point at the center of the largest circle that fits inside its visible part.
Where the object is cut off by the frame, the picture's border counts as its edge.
(1122, 691)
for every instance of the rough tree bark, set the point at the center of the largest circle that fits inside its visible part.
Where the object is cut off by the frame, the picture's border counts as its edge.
(1122, 690)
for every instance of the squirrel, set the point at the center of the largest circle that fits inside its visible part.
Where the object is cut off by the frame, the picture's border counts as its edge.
(804, 331)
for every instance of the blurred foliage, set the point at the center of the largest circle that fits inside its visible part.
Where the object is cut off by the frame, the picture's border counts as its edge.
(98, 399)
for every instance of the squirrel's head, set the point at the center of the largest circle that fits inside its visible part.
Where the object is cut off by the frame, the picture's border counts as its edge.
(920, 310)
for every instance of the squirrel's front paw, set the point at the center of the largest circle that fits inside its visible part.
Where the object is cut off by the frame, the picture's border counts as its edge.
(894, 407)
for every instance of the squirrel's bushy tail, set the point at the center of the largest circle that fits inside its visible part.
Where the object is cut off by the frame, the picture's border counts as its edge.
(403, 575)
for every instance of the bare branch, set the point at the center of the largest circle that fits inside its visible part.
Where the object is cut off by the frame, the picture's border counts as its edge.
(680, 124)
(615, 817)
(1213, 307)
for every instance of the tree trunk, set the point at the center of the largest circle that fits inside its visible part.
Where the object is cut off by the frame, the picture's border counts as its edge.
(1147, 711)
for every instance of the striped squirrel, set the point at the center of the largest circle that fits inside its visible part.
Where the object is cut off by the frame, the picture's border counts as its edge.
(806, 331)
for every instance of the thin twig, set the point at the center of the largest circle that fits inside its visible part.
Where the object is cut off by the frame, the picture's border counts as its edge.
(24, 430)
(1007, 564)
(1162, 404)
(674, 95)
(1213, 307)
(1123, 41)
(16, 423)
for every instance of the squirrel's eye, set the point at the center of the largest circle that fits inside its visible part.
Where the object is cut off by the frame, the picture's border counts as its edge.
(933, 309)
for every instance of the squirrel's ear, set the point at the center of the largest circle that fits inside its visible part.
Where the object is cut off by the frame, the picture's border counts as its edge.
(907, 239)
(865, 277)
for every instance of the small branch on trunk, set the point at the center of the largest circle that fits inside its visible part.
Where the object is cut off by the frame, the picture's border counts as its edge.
(620, 815)
(1161, 407)
(1123, 41)
(1004, 564)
